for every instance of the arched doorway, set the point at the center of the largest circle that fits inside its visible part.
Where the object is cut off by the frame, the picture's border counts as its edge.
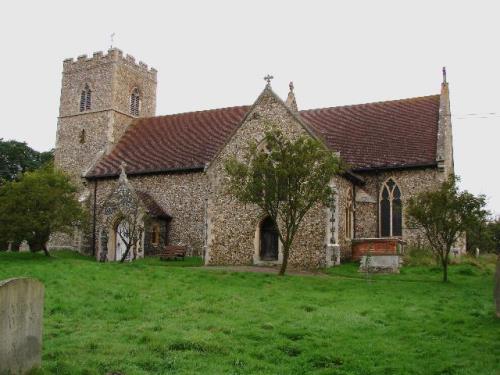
(269, 240)
(121, 239)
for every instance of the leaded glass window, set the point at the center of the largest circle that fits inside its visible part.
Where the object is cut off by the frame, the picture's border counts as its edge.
(391, 210)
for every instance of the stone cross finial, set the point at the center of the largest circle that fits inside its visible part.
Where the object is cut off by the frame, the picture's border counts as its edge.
(291, 86)
(444, 74)
(112, 37)
(268, 79)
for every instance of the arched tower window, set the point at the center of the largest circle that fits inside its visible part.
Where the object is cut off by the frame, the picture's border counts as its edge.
(135, 102)
(349, 216)
(86, 99)
(391, 209)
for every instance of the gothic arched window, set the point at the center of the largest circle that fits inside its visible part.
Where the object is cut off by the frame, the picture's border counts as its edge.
(85, 99)
(135, 102)
(391, 209)
(349, 216)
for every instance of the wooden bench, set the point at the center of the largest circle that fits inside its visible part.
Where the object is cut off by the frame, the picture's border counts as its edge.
(173, 252)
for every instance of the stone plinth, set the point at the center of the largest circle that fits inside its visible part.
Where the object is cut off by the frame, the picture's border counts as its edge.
(21, 314)
(376, 246)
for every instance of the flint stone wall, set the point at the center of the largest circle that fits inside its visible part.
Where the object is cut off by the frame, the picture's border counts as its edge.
(181, 195)
(21, 318)
(411, 183)
(232, 226)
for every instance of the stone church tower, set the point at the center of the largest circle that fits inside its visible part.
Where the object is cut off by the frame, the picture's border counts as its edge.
(100, 97)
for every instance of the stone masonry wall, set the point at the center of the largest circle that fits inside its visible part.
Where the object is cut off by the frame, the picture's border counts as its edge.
(411, 182)
(232, 226)
(111, 79)
(181, 195)
(343, 187)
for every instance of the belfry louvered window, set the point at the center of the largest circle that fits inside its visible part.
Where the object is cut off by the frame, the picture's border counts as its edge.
(86, 99)
(391, 210)
(135, 102)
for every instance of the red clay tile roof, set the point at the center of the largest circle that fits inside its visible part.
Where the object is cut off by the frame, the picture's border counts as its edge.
(379, 135)
(395, 133)
(152, 206)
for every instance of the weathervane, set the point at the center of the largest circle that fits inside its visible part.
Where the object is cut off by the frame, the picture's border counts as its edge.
(268, 79)
(112, 37)
(444, 74)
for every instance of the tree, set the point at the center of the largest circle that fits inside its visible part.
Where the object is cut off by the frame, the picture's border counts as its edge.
(17, 158)
(131, 227)
(444, 215)
(285, 178)
(496, 291)
(40, 203)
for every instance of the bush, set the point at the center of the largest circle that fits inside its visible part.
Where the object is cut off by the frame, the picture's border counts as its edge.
(419, 256)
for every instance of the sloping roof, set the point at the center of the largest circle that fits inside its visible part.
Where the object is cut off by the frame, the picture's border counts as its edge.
(394, 133)
(152, 206)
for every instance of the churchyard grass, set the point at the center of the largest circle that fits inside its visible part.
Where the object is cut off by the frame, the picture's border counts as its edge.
(153, 317)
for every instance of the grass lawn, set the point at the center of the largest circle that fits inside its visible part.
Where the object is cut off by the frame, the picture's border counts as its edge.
(153, 317)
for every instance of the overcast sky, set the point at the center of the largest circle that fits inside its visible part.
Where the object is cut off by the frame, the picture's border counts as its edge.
(214, 54)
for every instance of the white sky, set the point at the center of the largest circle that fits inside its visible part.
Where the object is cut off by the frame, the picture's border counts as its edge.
(214, 54)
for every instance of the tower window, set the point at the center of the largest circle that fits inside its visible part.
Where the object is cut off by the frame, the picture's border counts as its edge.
(391, 210)
(135, 102)
(85, 99)
(82, 136)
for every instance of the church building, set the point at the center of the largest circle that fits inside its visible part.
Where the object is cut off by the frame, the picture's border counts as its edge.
(117, 150)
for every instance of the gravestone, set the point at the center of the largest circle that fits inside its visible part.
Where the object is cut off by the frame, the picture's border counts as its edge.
(380, 263)
(24, 247)
(21, 314)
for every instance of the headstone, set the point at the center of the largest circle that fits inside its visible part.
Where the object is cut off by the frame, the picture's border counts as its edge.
(380, 263)
(21, 315)
(24, 247)
(332, 255)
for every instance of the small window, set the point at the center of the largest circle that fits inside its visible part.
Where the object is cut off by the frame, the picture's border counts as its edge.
(155, 234)
(86, 99)
(349, 216)
(135, 102)
(82, 136)
(391, 210)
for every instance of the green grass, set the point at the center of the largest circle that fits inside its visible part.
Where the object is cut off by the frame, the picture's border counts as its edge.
(153, 317)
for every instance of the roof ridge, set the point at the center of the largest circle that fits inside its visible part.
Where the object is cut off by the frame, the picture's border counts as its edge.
(371, 103)
(190, 112)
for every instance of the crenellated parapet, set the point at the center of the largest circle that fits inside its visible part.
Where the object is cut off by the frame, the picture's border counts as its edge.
(114, 55)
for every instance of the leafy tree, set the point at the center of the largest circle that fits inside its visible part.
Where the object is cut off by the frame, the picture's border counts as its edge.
(444, 215)
(17, 158)
(285, 179)
(40, 203)
(484, 236)
(131, 226)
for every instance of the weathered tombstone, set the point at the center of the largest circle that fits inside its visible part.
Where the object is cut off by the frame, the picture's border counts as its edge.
(24, 247)
(21, 315)
(380, 263)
